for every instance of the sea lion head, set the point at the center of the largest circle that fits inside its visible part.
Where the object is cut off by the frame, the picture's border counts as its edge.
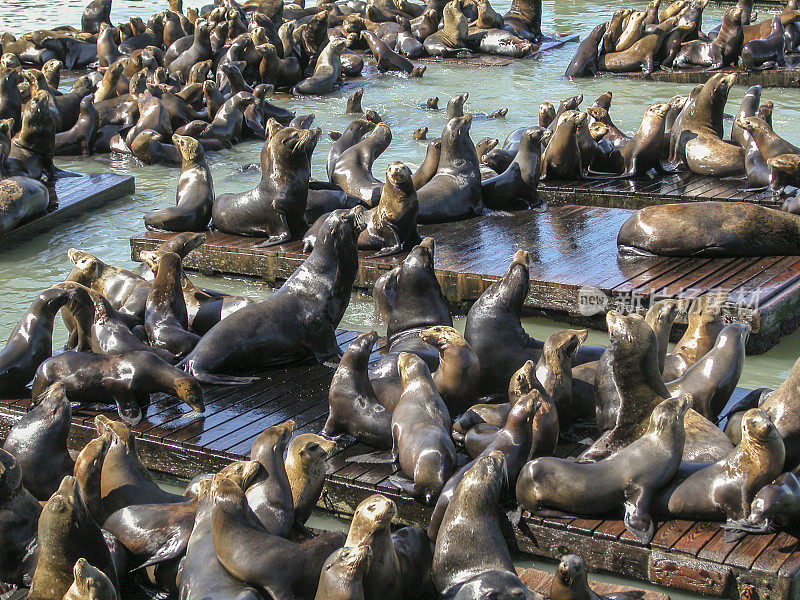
(338, 45)
(598, 130)
(311, 449)
(547, 112)
(571, 103)
(374, 514)
(457, 102)
(562, 345)
(189, 147)
(87, 264)
(66, 499)
(628, 331)
(441, 336)
(118, 432)
(421, 256)
(488, 476)
(242, 472)
(340, 231)
(486, 144)
(54, 400)
(9, 61)
(720, 84)
(151, 259)
(10, 476)
(90, 583)
(495, 584)
(525, 408)
(273, 439)
(420, 133)
(400, 176)
(732, 16)
(344, 569)
(189, 391)
(668, 415)
(785, 163)
(433, 101)
(571, 572)
(361, 348)
(751, 124)
(774, 504)
(758, 427)
(292, 143)
(522, 382)
(598, 113)
(658, 110)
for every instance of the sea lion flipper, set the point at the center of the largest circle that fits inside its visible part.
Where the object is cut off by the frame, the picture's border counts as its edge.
(128, 409)
(323, 342)
(637, 518)
(404, 485)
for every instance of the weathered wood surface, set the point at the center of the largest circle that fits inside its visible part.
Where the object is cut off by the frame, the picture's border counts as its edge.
(539, 581)
(70, 197)
(683, 554)
(574, 260)
(786, 77)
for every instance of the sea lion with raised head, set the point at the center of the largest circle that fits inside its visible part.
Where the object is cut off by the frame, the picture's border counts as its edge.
(342, 574)
(305, 469)
(90, 583)
(430, 163)
(352, 171)
(584, 62)
(352, 134)
(452, 38)
(80, 138)
(720, 52)
(327, 72)
(270, 495)
(770, 48)
(660, 316)
(457, 375)
(703, 327)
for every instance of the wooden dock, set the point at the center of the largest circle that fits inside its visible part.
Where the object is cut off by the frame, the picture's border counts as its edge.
(574, 261)
(70, 197)
(683, 555)
(786, 77)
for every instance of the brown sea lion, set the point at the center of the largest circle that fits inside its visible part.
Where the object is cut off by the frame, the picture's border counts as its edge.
(305, 469)
(342, 573)
(354, 102)
(584, 62)
(352, 171)
(451, 40)
(643, 150)
(660, 316)
(769, 143)
(270, 495)
(457, 375)
(632, 31)
(570, 580)
(90, 583)
(628, 478)
(20, 198)
(282, 568)
(704, 325)
(784, 170)
(720, 52)
(31, 153)
(641, 56)
(561, 159)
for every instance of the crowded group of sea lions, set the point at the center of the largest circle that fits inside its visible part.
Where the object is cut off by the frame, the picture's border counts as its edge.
(672, 38)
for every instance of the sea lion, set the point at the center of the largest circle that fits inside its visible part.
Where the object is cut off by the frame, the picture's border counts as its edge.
(270, 495)
(709, 229)
(524, 19)
(387, 59)
(20, 199)
(570, 579)
(421, 443)
(769, 143)
(703, 327)
(660, 316)
(452, 38)
(769, 48)
(199, 50)
(400, 567)
(430, 163)
(643, 151)
(354, 102)
(584, 62)
(779, 405)
(712, 379)
(280, 567)
(455, 106)
(632, 32)
(275, 209)
(457, 375)
(420, 134)
(725, 489)
(354, 408)
(356, 130)
(95, 14)
(407, 45)
(305, 468)
(775, 505)
(327, 71)
(314, 297)
(472, 517)
(342, 573)
(19, 514)
(455, 191)
(148, 148)
(31, 153)
(90, 583)
(31, 341)
(641, 56)
(195, 195)
(80, 138)
(67, 532)
(720, 52)
(352, 171)
(38, 441)
(629, 478)
(625, 395)
(561, 159)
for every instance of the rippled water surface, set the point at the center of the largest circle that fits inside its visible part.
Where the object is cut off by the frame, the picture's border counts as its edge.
(521, 86)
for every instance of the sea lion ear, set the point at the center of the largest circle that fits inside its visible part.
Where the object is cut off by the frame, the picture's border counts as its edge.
(273, 127)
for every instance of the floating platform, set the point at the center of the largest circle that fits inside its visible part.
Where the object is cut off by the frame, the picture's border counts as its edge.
(495, 60)
(70, 197)
(785, 77)
(576, 271)
(539, 581)
(684, 554)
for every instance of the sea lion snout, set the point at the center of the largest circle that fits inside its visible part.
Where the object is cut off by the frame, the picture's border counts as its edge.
(757, 424)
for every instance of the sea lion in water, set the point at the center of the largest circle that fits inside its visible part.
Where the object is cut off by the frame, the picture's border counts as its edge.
(305, 468)
(710, 229)
(31, 342)
(270, 495)
(421, 442)
(628, 386)
(282, 568)
(354, 132)
(342, 573)
(195, 195)
(279, 200)
(90, 583)
(354, 408)
(316, 294)
(38, 441)
(725, 489)
(67, 532)
(629, 478)
(570, 580)
(19, 515)
(354, 102)
(95, 14)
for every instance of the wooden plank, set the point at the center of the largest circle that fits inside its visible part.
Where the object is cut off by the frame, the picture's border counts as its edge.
(540, 581)
(777, 77)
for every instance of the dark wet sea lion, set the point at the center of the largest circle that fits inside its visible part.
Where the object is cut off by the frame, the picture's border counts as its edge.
(280, 567)
(270, 495)
(725, 489)
(305, 469)
(342, 573)
(570, 580)
(89, 583)
(769, 48)
(350, 136)
(354, 102)
(430, 163)
(421, 443)
(641, 56)
(643, 151)
(584, 63)
(710, 229)
(148, 147)
(452, 38)
(279, 200)
(80, 138)
(96, 13)
(629, 478)
(629, 386)
(31, 342)
(32, 147)
(38, 441)
(455, 106)
(354, 409)
(327, 71)
(712, 379)
(780, 405)
(720, 52)
(775, 505)
(67, 532)
(352, 171)
(19, 514)
(316, 294)
(387, 59)
(195, 195)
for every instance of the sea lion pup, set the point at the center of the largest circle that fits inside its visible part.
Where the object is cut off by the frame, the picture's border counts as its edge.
(352, 171)
(127, 379)
(710, 229)
(19, 514)
(401, 561)
(270, 495)
(315, 296)
(457, 376)
(629, 478)
(90, 583)
(775, 505)
(513, 441)
(421, 443)
(124, 289)
(354, 102)
(165, 317)
(195, 195)
(712, 379)
(703, 328)
(305, 469)
(124, 479)
(275, 209)
(472, 521)
(39, 442)
(282, 568)
(725, 489)
(67, 532)
(661, 316)
(769, 143)
(354, 408)
(31, 342)
(720, 52)
(392, 224)
(342, 573)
